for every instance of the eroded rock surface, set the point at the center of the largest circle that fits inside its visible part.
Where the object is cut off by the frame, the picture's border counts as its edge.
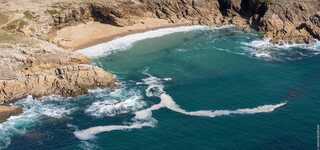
(281, 20)
(7, 111)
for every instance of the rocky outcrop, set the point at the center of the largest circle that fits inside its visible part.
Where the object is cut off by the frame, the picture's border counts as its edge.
(7, 111)
(31, 65)
(71, 80)
(41, 68)
(291, 21)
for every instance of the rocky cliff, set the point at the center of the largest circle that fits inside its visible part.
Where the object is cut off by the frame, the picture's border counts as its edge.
(280, 20)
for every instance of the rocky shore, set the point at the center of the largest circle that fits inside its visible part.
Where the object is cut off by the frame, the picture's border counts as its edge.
(37, 38)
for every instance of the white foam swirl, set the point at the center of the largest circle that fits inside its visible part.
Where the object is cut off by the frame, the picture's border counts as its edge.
(169, 103)
(115, 106)
(143, 118)
(155, 88)
(91, 132)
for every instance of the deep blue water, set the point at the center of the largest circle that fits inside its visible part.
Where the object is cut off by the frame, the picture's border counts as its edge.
(223, 69)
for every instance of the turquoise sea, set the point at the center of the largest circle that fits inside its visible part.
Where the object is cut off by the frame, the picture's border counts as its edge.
(200, 89)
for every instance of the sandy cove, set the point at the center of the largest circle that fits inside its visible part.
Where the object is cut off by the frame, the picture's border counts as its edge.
(92, 33)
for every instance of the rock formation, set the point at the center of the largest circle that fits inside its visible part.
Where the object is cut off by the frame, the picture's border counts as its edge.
(7, 111)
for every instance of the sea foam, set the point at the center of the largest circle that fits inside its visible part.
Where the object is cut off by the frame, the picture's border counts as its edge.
(266, 50)
(122, 101)
(112, 107)
(113, 103)
(143, 118)
(155, 88)
(33, 110)
(126, 42)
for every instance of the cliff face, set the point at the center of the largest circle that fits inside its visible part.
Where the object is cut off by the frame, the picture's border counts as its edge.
(292, 21)
(281, 20)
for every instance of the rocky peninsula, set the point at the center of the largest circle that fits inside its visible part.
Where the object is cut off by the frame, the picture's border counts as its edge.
(38, 38)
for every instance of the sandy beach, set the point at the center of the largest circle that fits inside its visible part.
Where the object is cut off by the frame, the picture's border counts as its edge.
(85, 35)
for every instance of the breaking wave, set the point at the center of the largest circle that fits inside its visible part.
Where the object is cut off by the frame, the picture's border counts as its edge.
(266, 50)
(120, 101)
(33, 111)
(143, 118)
(125, 42)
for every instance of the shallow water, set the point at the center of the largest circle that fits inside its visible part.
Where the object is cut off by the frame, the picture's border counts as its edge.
(266, 97)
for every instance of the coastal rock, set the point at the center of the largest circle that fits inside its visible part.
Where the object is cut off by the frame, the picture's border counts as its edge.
(39, 68)
(7, 111)
(71, 80)
(291, 21)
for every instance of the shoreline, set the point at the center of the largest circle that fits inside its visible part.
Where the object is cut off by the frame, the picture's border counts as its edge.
(126, 41)
(109, 38)
(74, 38)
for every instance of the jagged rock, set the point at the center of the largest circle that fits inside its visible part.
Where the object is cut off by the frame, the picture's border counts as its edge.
(7, 111)
(285, 21)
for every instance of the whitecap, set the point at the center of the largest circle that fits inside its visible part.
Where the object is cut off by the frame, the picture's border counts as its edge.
(266, 50)
(33, 110)
(115, 102)
(112, 107)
